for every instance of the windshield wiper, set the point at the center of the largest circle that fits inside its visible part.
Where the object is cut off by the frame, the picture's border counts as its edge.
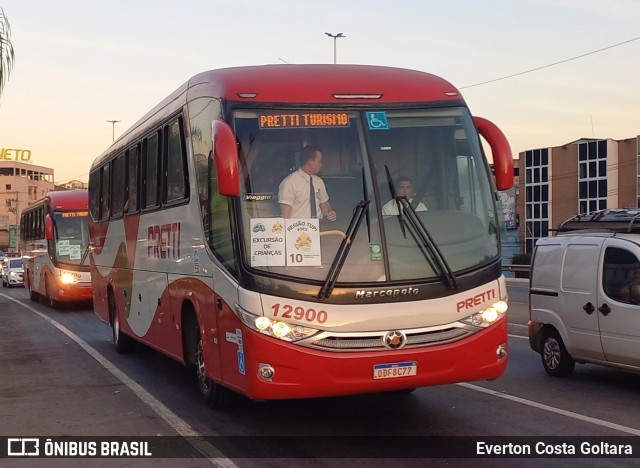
(343, 250)
(421, 233)
(392, 190)
(84, 255)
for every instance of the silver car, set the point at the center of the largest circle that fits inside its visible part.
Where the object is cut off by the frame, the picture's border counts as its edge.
(12, 272)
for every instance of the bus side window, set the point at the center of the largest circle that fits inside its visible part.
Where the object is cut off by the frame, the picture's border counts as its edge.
(119, 185)
(175, 166)
(150, 171)
(105, 193)
(131, 201)
(219, 237)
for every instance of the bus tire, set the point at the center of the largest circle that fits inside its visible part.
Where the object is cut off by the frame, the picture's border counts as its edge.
(33, 296)
(51, 302)
(123, 343)
(212, 393)
(556, 360)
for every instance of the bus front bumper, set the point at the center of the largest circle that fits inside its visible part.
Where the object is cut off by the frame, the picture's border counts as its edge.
(73, 292)
(300, 372)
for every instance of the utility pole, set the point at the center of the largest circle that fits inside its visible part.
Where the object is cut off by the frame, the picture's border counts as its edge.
(335, 37)
(113, 129)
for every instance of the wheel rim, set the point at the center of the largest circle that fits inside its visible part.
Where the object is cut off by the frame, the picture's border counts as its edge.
(203, 380)
(552, 353)
(116, 328)
(47, 289)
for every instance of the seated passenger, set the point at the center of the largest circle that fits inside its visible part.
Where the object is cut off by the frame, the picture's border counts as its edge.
(625, 292)
(404, 188)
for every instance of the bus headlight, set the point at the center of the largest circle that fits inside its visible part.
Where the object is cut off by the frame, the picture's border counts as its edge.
(275, 328)
(68, 278)
(488, 316)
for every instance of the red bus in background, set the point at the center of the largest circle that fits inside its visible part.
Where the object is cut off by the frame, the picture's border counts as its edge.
(191, 255)
(54, 239)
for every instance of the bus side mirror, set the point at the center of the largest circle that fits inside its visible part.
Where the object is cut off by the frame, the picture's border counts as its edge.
(225, 154)
(48, 227)
(502, 157)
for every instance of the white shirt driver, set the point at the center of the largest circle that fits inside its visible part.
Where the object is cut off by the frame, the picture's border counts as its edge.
(294, 191)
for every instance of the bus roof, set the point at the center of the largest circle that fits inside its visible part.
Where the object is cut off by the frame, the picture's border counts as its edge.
(322, 83)
(77, 199)
(300, 84)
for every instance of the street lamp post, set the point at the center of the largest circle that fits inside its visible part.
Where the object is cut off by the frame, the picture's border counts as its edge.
(113, 129)
(335, 37)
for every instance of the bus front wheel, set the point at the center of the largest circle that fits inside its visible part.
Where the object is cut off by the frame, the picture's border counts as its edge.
(212, 393)
(48, 295)
(33, 296)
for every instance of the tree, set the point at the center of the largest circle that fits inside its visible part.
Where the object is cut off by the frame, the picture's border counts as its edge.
(7, 57)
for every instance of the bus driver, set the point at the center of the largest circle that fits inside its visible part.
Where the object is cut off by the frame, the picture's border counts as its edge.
(302, 194)
(404, 189)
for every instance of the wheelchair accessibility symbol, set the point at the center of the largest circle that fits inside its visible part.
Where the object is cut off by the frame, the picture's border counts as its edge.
(377, 121)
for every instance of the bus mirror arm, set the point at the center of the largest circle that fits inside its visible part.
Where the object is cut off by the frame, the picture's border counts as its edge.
(48, 227)
(225, 155)
(501, 151)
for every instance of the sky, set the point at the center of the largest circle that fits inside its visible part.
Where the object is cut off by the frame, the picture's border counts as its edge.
(81, 63)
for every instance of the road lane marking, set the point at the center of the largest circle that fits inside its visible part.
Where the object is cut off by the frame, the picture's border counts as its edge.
(176, 422)
(569, 414)
(215, 456)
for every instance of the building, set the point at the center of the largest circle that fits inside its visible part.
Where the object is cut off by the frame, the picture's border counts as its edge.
(576, 178)
(72, 185)
(20, 185)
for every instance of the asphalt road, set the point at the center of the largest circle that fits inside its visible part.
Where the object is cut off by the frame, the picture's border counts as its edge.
(60, 376)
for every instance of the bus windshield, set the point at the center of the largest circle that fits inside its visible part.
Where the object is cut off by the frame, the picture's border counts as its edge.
(429, 157)
(71, 236)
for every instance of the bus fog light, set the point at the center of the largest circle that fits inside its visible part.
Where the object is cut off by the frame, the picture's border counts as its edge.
(501, 352)
(266, 372)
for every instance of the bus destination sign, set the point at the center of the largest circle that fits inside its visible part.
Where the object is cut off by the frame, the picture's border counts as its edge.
(305, 120)
(74, 214)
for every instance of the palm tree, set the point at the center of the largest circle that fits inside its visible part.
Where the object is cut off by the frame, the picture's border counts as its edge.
(7, 57)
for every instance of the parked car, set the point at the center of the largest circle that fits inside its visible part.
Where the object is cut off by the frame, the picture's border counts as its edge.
(585, 294)
(12, 272)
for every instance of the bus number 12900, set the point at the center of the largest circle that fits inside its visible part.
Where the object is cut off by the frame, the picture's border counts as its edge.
(299, 313)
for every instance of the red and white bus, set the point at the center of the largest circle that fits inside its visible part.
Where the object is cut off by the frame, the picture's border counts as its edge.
(191, 255)
(54, 241)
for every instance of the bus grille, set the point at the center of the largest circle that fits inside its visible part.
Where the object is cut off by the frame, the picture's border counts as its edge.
(358, 342)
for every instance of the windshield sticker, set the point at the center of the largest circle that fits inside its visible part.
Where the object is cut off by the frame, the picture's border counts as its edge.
(63, 247)
(267, 242)
(303, 242)
(74, 252)
(285, 242)
(304, 120)
(377, 121)
(375, 252)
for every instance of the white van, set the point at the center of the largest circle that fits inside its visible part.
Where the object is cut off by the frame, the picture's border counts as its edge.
(584, 299)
